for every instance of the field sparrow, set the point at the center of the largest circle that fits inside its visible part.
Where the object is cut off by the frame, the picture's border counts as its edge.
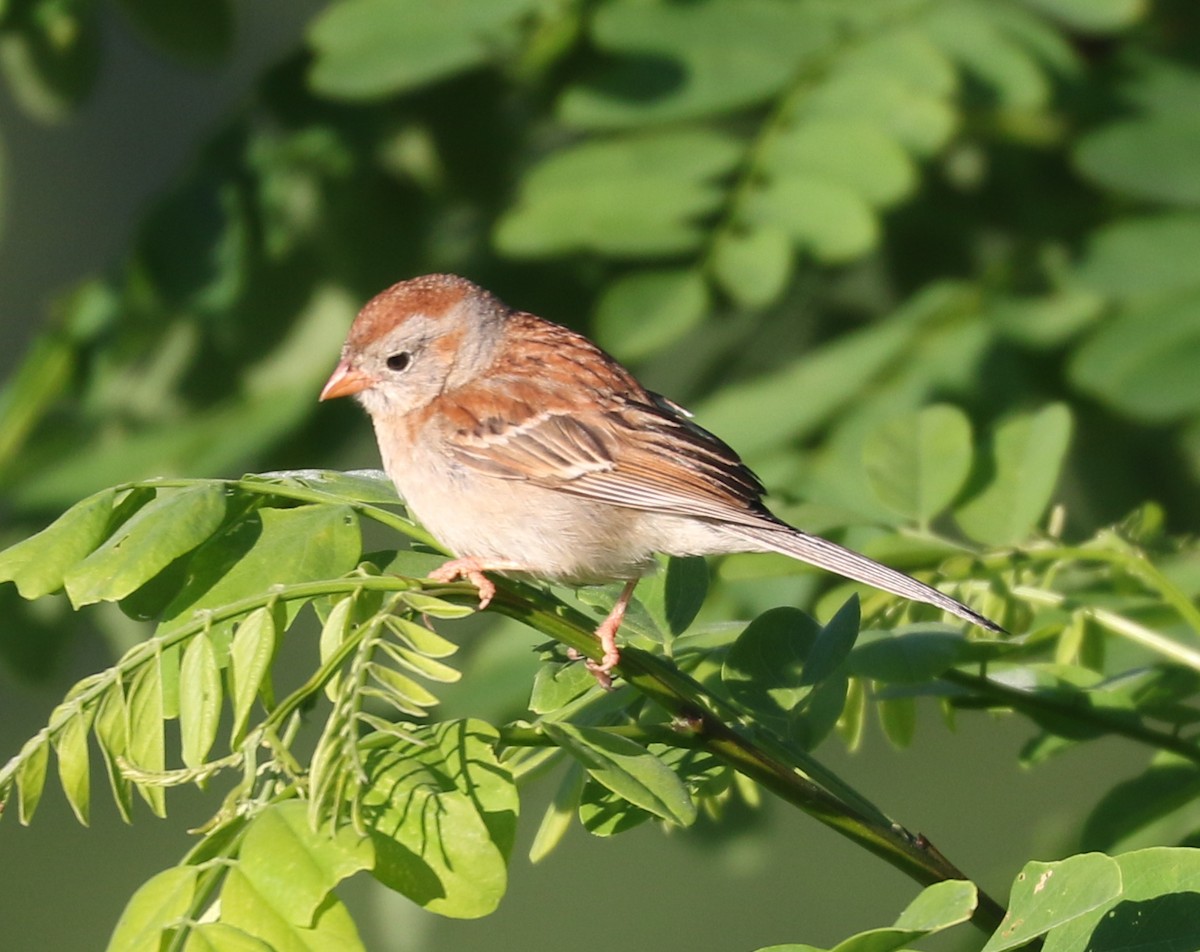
(523, 447)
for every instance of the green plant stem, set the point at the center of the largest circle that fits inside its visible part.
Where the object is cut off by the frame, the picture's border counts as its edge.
(1121, 625)
(690, 704)
(1004, 695)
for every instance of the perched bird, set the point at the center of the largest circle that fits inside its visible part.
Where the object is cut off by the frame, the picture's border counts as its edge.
(523, 447)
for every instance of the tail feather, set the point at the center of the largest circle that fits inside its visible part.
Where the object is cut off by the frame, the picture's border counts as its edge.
(843, 561)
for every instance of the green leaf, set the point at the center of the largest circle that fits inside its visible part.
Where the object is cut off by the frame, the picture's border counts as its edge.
(250, 656)
(161, 531)
(200, 30)
(1151, 157)
(1045, 895)
(37, 564)
(1169, 784)
(1092, 16)
(436, 607)
(940, 906)
(331, 928)
(917, 463)
(375, 48)
(645, 311)
(753, 265)
(906, 656)
(848, 152)
(1137, 258)
(74, 767)
(1028, 453)
(556, 685)
(272, 547)
(1142, 362)
(31, 776)
(825, 217)
(420, 664)
(442, 815)
(627, 769)
(637, 196)
(898, 717)
(333, 633)
(222, 937)
(604, 813)
(49, 54)
(406, 689)
(1156, 907)
(675, 593)
(420, 638)
(683, 62)
(111, 728)
(559, 814)
(833, 644)
(968, 34)
(157, 905)
(292, 868)
(763, 670)
(896, 80)
(199, 700)
(145, 733)
(362, 485)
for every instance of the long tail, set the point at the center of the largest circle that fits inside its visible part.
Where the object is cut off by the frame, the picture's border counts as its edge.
(843, 561)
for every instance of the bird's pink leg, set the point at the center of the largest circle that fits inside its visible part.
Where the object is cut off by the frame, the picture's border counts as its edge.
(472, 570)
(607, 633)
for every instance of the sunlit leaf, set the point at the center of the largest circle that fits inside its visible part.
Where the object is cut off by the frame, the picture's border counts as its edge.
(145, 732)
(645, 311)
(1028, 452)
(918, 462)
(1167, 785)
(753, 265)
(851, 153)
(1155, 908)
(200, 698)
(898, 718)
(172, 524)
(271, 547)
(250, 656)
(906, 656)
(763, 670)
(375, 48)
(442, 816)
(31, 776)
(37, 564)
(638, 196)
(111, 727)
(74, 767)
(1152, 157)
(159, 904)
(1045, 895)
(1100, 16)
(559, 814)
(830, 219)
(627, 769)
(685, 62)
(1143, 361)
(222, 937)
(1140, 258)
(290, 867)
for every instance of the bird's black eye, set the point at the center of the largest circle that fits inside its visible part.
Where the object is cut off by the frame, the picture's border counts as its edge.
(400, 361)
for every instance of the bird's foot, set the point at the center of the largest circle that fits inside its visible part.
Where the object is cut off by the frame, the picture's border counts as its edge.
(472, 571)
(606, 632)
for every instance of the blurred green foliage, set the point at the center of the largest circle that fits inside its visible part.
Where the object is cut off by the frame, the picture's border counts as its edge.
(930, 265)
